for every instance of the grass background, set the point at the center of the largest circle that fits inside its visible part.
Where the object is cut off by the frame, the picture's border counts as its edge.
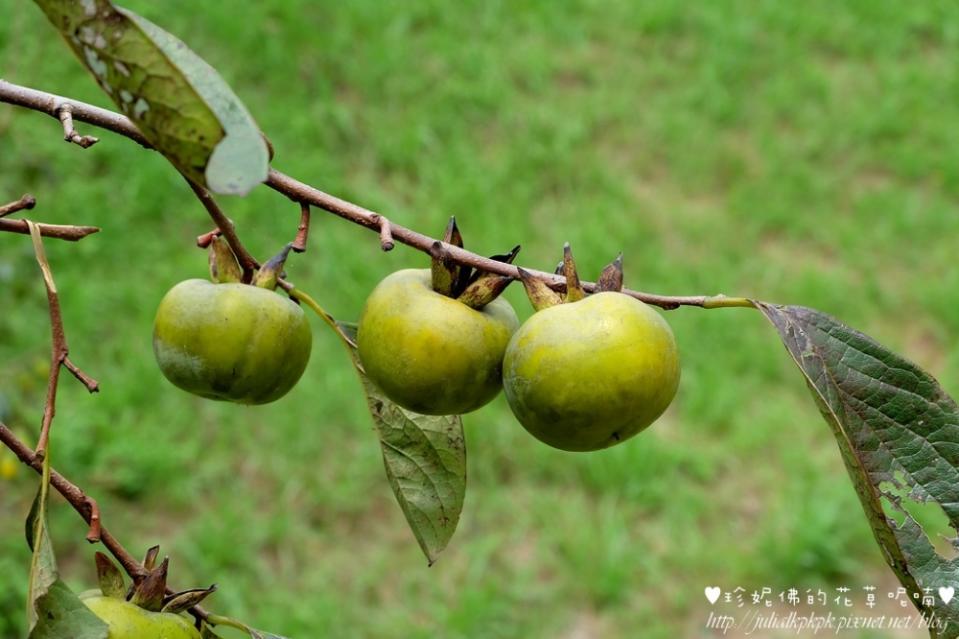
(793, 152)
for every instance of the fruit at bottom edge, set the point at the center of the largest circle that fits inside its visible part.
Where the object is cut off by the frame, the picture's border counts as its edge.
(128, 621)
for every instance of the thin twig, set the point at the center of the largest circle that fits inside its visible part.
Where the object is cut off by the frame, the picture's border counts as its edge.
(247, 262)
(58, 350)
(26, 201)
(204, 241)
(386, 232)
(300, 192)
(65, 113)
(303, 230)
(57, 231)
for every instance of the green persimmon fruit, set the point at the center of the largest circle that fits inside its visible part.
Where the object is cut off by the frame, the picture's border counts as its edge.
(429, 353)
(233, 342)
(586, 375)
(128, 621)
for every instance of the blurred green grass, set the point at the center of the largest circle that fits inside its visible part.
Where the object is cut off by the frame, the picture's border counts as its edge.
(793, 152)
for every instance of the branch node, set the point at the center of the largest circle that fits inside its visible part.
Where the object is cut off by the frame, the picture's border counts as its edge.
(204, 241)
(93, 535)
(386, 231)
(26, 201)
(65, 114)
(303, 230)
(92, 385)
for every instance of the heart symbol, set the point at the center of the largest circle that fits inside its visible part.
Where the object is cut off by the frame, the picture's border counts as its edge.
(946, 594)
(712, 594)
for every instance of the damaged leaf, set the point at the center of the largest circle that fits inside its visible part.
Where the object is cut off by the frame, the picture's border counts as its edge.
(898, 433)
(178, 101)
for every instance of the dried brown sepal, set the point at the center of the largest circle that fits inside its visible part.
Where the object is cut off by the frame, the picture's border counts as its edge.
(506, 258)
(486, 288)
(224, 267)
(611, 279)
(109, 577)
(444, 271)
(559, 268)
(540, 295)
(452, 234)
(150, 559)
(462, 275)
(270, 272)
(574, 290)
(150, 593)
(185, 600)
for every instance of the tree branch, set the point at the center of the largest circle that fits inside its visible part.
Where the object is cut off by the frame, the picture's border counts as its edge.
(225, 226)
(57, 231)
(85, 506)
(26, 201)
(59, 348)
(65, 113)
(303, 193)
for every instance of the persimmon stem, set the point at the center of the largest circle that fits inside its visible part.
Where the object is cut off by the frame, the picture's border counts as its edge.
(225, 225)
(319, 310)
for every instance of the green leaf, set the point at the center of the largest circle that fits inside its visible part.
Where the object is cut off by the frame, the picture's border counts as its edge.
(43, 564)
(61, 614)
(425, 460)
(177, 100)
(898, 433)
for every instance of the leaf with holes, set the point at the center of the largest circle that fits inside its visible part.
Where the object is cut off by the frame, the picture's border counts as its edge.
(177, 100)
(425, 460)
(898, 433)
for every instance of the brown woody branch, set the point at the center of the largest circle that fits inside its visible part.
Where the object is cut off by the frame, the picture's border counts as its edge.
(65, 113)
(59, 356)
(58, 231)
(26, 201)
(224, 227)
(303, 230)
(303, 193)
(85, 506)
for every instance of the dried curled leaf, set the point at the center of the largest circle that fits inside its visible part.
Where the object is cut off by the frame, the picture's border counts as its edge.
(177, 100)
